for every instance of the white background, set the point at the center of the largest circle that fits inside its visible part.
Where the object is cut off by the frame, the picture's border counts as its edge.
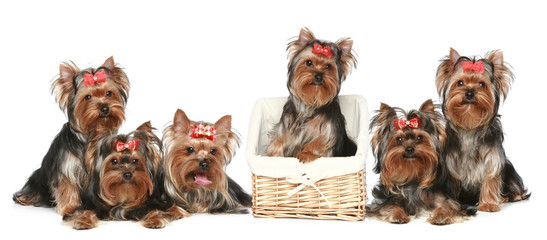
(216, 58)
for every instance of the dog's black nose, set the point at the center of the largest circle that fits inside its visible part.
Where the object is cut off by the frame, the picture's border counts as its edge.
(105, 110)
(469, 95)
(127, 176)
(409, 150)
(318, 79)
(204, 165)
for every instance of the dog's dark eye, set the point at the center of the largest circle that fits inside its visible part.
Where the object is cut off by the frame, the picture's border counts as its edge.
(399, 139)
(87, 97)
(190, 150)
(109, 94)
(328, 66)
(114, 161)
(213, 151)
(309, 63)
(460, 83)
(419, 138)
(135, 161)
(481, 84)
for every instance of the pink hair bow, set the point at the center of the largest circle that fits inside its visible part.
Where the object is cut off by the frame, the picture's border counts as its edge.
(477, 67)
(90, 79)
(327, 51)
(402, 123)
(132, 145)
(206, 131)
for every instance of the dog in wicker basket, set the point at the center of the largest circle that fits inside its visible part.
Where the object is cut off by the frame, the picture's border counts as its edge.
(407, 148)
(312, 124)
(196, 155)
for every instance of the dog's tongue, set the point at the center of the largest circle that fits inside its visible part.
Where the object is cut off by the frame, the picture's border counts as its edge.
(201, 179)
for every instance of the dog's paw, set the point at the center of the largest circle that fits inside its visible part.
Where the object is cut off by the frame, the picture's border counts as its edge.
(489, 207)
(305, 157)
(84, 220)
(177, 213)
(155, 219)
(154, 223)
(441, 217)
(398, 218)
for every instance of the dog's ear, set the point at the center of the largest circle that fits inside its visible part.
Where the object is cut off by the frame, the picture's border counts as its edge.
(181, 124)
(428, 110)
(146, 127)
(384, 108)
(384, 116)
(117, 75)
(345, 45)
(63, 87)
(230, 139)
(380, 126)
(347, 59)
(305, 36)
(152, 145)
(446, 69)
(146, 131)
(503, 75)
(453, 56)
(496, 57)
(428, 106)
(110, 64)
(296, 46)
(224, 122)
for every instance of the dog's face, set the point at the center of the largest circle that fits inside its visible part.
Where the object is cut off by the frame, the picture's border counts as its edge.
(317, 68)
(127, 166)
(470, 99)
(125, 179)
(92, 97)
(407, 149)
(198, 164)
(198, 152)
(471, 89)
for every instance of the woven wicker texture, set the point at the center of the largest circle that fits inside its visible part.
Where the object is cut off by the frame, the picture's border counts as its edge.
(346, 194)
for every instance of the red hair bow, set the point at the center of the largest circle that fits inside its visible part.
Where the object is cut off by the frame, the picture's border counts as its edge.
(201, 130)
(132, 145)
(91, 79)
(327, 51)
(477, 67)
(402, 123)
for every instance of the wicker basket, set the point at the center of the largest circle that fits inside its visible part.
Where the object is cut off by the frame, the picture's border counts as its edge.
(346, 194)
(327, 188)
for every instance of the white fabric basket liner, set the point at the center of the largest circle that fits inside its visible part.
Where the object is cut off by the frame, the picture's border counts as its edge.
(267, 112)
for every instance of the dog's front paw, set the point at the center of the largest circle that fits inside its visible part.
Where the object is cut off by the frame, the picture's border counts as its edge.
(84, 220)
(398, 218)
(177, 213)
(154, 223)
(306, 157)
(441, 217)
(489, 207)
(155, 219)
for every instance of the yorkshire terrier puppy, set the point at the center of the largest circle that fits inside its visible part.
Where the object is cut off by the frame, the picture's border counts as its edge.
(407, 148)
(471, 90)
(123, 183)
(194, 164)
(92, 98)
(312, 124)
